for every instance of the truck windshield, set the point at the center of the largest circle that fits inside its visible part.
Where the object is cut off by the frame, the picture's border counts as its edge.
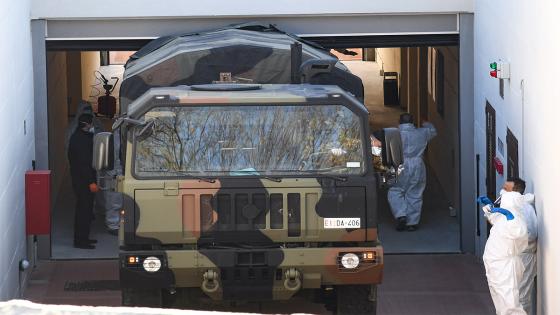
(259, 140)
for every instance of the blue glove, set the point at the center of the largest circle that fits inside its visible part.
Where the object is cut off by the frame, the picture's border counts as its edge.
(484, 200)
(505, 212)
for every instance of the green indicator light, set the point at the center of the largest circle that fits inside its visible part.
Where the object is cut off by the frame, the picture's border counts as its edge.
(493, 66)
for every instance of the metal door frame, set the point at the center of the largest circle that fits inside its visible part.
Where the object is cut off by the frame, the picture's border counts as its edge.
(462, 35)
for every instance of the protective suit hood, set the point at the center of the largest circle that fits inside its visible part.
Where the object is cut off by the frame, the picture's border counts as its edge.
(529, 198)
(512, 201)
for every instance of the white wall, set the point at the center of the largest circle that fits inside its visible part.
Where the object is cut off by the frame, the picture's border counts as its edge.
(390, 59)
(71, 9)
(91, 87)
(18, 147)
(526, 35)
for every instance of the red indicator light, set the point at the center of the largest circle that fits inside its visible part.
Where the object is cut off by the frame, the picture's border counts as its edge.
(494, 74)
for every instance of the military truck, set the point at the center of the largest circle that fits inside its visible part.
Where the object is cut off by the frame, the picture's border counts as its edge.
(248, 192)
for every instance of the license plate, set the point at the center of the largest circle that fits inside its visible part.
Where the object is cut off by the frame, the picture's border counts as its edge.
(341, 223)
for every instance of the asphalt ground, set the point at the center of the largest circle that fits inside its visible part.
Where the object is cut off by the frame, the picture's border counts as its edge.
(412, 284)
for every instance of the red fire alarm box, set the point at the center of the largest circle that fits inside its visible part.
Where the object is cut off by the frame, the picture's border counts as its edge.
(498, 165)
(38, 202)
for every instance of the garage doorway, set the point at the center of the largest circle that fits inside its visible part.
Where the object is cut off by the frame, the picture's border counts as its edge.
(74, 77)
(432, 243)
(427, 83)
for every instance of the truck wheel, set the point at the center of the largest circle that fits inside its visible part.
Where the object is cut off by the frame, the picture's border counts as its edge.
(182, 298)
(141, 297)
(356, 299)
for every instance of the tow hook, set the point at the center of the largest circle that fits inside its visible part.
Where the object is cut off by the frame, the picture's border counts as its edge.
(210, 283)
(292, 282)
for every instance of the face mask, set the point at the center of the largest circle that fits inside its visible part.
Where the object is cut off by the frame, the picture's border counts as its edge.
(376, 151)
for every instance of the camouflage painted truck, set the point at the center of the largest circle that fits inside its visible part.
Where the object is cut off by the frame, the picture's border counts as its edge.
(246, 192)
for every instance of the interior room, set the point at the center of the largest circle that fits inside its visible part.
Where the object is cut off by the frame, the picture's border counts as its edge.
(423, 81)
(72, 78)
(420, 80)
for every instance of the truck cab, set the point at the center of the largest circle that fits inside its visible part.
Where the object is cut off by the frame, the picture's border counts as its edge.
(247, 193)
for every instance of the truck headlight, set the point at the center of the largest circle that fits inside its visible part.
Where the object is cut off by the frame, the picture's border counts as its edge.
(350, 261)
(151, 264)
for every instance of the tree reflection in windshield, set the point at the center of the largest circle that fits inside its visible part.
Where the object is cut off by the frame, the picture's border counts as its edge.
(250, 140)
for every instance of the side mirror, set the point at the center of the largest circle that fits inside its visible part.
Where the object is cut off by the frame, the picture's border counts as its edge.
(312, 67)
(103, 151)
(123, 119)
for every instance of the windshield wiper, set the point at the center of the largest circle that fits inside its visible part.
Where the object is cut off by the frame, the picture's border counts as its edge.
(274, 179)
(335, 177)
(318, 174)
(202, 178)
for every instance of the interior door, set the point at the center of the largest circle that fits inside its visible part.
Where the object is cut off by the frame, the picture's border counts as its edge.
(512, 155)
(490, 154)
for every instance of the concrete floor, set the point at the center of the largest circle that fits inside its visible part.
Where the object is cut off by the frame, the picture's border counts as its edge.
(412, 284)
(438, 232)
(62, 236)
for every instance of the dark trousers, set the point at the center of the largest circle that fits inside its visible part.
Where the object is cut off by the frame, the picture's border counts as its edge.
(84, 212)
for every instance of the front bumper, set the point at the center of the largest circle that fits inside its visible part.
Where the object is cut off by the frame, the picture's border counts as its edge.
(258, 273)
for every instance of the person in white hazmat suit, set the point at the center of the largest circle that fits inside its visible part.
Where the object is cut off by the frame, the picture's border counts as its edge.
(113, 200)
(109, 200)
(405, 197)
(502, 254)
(529, 255)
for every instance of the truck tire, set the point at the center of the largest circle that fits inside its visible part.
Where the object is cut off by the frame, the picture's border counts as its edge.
(356, 299)
(141, 297)
(182, 298)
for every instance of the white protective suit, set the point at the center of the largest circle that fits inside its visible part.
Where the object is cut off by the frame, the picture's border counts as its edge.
(112, 200)
(502, 255)
(405, 197)
(529, 256)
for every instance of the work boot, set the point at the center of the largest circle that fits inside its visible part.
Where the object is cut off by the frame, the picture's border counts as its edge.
(412, 228)
(83, 245)
(401, 224)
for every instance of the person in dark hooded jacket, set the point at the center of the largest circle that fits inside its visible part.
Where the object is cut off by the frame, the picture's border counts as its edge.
(80, 155)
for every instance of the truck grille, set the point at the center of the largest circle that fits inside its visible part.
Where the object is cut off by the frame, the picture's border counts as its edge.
(246, 212)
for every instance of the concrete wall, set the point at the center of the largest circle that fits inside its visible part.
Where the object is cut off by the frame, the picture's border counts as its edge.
(74, 82)
(418, 98)
(443, 152)
(58, 93)
(526, 35)
(69, 9)
(403, 82)
(18, 144)
(91, 87)
(389, 59)
(413, 101)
